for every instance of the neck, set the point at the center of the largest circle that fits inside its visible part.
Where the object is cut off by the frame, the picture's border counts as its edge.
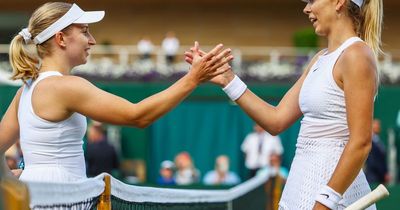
(340, 32)
(55, 63)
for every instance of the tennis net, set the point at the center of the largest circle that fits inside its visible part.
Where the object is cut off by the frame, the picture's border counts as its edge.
(86, 195)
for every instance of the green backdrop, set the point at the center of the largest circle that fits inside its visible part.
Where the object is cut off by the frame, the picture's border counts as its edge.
(206, 124)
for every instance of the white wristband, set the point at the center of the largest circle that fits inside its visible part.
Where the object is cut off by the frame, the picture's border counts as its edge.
(235, 88)
(329, 197)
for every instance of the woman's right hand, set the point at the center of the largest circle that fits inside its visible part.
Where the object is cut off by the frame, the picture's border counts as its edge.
(224, 78)
(206, 66)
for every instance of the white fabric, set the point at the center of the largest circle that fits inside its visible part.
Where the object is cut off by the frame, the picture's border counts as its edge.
(170, 45)
(187, 176)
(133, 193)
(67, 193)
(45, 193)
(358, 2)
(52, 150)
(145, 46)
(322, 101)
(74, 15)
(328, 197)
(322, 138)
(271, 144)
(235, 88)
(213, 178)
(26, 35)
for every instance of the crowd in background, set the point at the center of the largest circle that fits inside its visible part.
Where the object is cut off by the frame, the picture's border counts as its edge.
(263, 154)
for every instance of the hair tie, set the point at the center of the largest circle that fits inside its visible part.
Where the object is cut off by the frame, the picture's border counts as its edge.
(26, 35)
(359, 3)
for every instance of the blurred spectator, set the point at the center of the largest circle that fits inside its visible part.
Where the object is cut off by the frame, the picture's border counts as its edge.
(166, 173)
(170, 46)
(100, 155)
(398, 119)
(186, 173)
(277, 178)
(258, 147)
(221, 175)
(275, 167)
(376, 169)
(145, 48)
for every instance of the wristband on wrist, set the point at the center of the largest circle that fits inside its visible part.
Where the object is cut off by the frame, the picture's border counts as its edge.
(329, 197)
(235, 88)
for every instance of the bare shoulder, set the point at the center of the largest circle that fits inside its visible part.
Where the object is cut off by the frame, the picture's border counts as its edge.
(63, 91)
(64, 84)
(358, 60)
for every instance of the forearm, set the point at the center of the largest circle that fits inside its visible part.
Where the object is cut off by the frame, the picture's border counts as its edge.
(260, 111)
(155, 106)
(349, 165)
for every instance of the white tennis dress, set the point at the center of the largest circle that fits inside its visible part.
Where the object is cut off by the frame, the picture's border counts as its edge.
(52, 150)
(323, 135)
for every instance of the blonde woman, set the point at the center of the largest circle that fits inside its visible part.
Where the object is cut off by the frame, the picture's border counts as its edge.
(48, 112)
(335, 97)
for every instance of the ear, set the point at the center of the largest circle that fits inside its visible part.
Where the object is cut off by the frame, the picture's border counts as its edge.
(340, 4)
(60, 39)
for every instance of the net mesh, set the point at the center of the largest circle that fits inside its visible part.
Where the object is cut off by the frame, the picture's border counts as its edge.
(89, 204)
(82, 195)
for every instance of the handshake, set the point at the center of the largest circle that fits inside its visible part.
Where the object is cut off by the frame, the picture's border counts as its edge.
(210, 66)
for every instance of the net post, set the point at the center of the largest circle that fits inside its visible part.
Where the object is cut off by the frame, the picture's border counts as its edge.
(105, 197)
(15, 194)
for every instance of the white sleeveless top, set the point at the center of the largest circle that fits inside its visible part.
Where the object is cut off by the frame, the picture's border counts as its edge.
(323, 136)
(322, 100)
(52, 150)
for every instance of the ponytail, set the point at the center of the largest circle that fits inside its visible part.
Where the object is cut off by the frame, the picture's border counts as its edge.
(23, 62)
(368, 22)
(25, 57)
(371, 24)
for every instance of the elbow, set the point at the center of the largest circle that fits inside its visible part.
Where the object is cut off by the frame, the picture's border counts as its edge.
(275, 130)
(364, 146)
(367, 147)
(141, 123)
(144, 124)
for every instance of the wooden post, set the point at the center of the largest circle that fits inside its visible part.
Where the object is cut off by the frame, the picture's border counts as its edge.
(105, 197)
(15, 194)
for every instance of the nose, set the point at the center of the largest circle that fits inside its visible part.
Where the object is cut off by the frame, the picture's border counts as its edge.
(307, 9)
(92, 41)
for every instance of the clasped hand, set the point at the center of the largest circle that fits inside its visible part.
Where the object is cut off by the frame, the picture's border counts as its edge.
(212, 66)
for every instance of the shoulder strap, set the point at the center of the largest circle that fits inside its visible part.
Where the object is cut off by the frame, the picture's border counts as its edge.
(349, 42)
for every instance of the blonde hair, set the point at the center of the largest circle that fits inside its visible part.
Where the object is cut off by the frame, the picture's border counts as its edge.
(24, 58)
(368, 22)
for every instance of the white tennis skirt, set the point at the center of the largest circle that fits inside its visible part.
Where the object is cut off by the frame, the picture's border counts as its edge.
(312, 167)
(51, 173)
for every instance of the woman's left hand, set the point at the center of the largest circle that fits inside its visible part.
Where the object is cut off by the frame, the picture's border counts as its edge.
(319, 206)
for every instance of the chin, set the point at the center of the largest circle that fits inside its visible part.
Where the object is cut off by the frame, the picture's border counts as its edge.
(319, 32)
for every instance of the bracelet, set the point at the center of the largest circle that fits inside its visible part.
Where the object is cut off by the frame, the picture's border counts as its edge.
(235, 88)
(328, 197)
